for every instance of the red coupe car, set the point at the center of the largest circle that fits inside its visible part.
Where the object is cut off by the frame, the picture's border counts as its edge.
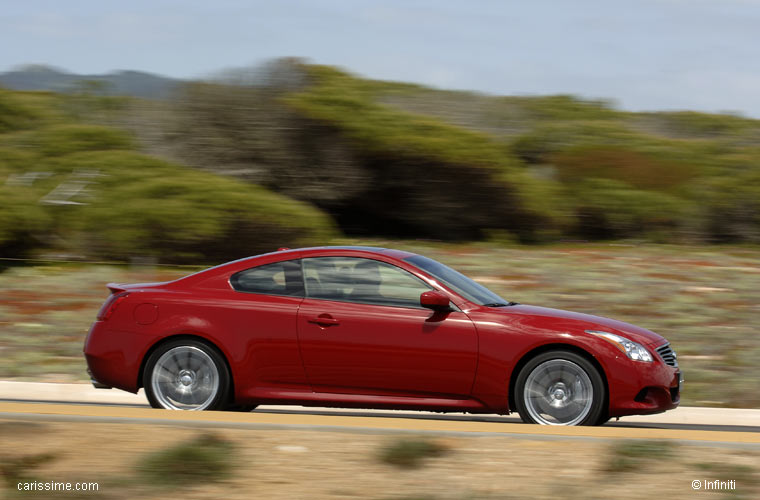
(371, 328)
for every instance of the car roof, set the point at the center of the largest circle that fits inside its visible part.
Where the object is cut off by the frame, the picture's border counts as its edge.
(391, 252)
(283, 253)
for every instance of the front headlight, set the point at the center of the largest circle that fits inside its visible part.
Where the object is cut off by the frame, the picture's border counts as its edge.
(633, 350)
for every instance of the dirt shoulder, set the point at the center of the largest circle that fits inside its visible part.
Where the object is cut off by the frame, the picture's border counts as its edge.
(289, 464)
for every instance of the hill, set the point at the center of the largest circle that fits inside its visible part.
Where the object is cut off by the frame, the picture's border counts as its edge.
(124, 83)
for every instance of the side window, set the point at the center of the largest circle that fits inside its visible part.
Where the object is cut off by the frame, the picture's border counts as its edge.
(279, 278)
(366, 281)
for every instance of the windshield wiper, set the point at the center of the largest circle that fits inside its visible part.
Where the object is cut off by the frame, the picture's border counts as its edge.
(500, 304)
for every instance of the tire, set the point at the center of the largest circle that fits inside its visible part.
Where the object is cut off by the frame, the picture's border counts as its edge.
(186, 374)
(560, 388)
(603, 420)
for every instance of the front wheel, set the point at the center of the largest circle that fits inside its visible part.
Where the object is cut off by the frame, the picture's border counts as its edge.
(560, 388)
(186, 375)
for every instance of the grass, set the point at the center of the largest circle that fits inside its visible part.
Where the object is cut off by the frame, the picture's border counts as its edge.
(628, 456)
(703, 299)
(410, 453)
(206, 458)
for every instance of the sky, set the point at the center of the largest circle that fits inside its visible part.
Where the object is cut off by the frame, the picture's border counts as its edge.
(701, 55)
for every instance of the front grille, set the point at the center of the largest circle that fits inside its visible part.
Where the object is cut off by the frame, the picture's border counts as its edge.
(668, 355)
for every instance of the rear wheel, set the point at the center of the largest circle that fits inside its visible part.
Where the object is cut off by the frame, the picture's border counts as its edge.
(186, 375)
(560, 388)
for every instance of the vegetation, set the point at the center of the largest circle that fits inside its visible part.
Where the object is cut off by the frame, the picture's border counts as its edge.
(632, 455)
(83, 189)
(15, 469)
(410, 453)
(204, 459)
(286, 153)
(401, 158)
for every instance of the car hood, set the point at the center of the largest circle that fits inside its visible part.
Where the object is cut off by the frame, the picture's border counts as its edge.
(572, 321)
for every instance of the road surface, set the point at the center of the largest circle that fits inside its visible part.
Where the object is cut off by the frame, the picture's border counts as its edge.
(83, 402)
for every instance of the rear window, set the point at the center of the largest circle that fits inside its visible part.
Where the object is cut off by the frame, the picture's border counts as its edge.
(279, 278)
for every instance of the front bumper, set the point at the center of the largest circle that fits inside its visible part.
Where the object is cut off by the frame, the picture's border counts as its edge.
(637, 388)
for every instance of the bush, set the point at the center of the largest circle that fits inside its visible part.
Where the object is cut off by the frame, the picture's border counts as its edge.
(568, 107)
(206, 458)
(619, 163)
(631, 455)
(18, 469)
(15, 114)
(705, 124)
(730, 207)
(141, 206)
(423, 171)
(65, 139)
(607, 209)
(410, 453)
(79, 188)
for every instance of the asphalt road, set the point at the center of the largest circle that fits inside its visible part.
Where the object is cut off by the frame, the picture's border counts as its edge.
(350, 423)
(82, 402)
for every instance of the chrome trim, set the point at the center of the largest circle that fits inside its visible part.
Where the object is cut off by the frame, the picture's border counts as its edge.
(667, 354)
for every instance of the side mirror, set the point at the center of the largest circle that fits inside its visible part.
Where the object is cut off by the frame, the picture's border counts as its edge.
(435, 300)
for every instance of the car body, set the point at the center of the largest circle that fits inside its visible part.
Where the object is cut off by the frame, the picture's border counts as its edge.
(372, 328)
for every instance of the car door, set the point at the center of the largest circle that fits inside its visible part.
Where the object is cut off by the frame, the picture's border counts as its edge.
(260, 315)
(361, 330)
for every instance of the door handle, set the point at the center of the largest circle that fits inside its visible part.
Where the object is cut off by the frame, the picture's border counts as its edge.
(324, 320)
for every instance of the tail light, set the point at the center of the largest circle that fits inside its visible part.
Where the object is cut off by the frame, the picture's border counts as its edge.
(110, 305)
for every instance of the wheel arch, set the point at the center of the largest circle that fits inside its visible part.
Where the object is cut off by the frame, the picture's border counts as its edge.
(555, 347)
(187, 336)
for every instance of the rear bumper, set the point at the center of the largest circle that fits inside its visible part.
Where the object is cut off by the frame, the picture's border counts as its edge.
(98, 385)
(113, 360)
(95, 383)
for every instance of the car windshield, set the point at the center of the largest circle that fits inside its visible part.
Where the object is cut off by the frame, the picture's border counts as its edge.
(467, 288)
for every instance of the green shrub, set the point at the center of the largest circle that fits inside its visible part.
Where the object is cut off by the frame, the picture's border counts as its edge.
(423, 170)
(619, 163)
(730, 207)
(78, 188)
(72, 138)
(567, 108)
(632, 455)
(16, 113)
(18, 469)
(141, 206)
(700, 124)
(206, 458)
(607, 209)
(410, 453)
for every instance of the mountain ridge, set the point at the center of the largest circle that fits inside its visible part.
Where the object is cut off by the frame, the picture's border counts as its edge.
(119, 82)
